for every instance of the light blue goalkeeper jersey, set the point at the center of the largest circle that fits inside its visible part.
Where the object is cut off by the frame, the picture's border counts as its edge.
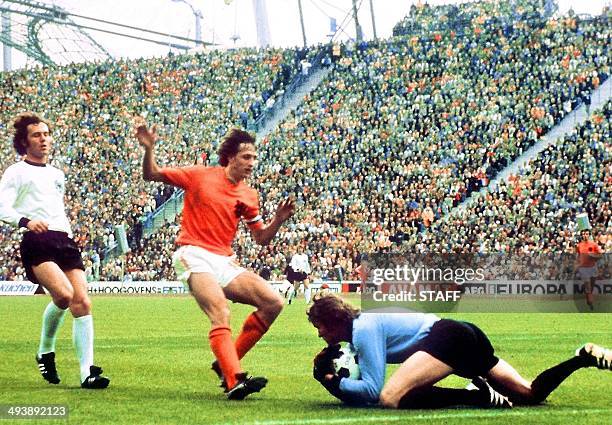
(382, 338)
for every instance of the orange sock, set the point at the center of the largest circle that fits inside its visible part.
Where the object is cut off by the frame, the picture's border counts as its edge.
(220, 338)
(252, 331)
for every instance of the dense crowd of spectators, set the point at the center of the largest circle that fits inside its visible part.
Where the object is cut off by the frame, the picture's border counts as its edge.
(534, 211)
(401, 132)
(426, 19)
(377, 156)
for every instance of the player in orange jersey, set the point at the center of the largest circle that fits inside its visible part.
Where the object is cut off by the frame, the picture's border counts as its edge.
(216, 199)
(588, 254)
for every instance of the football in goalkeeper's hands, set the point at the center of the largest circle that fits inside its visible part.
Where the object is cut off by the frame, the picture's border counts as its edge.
(346, 364)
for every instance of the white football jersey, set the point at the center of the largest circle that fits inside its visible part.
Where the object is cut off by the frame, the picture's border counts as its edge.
(35, 192)
(299, 263)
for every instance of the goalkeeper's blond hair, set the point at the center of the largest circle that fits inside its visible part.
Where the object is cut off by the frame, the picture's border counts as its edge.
(329, 309)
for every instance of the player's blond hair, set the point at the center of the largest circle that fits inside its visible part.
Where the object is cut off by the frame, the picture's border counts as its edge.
(329, 309)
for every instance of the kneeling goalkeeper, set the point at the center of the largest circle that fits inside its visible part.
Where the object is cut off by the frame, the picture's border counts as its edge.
(428, 349)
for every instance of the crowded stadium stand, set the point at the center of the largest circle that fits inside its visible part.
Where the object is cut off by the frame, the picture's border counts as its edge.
(378, 156)
(534, 210)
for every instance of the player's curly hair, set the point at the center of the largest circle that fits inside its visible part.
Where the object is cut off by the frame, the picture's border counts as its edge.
(231, 144)
(329, 308)
(20, 124)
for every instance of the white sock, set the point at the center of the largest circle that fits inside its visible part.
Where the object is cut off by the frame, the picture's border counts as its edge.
(53, 317)
(291, 293)
(307, 295)
(82, 337)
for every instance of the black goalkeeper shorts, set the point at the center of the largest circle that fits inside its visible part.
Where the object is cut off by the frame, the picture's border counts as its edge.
(461, 345)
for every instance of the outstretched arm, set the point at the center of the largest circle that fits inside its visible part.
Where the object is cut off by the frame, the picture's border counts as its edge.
(147, 138)
(284, 211)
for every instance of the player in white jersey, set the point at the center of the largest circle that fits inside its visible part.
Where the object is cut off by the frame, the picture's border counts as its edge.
(298, 271)
(32, 197)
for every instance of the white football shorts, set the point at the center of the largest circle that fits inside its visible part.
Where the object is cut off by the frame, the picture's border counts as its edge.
(586, 273)
(194, 259)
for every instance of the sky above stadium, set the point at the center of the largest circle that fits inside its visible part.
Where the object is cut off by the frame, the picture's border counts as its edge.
(222, 21)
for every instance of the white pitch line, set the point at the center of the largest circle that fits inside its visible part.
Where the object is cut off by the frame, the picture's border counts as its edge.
(426, 417)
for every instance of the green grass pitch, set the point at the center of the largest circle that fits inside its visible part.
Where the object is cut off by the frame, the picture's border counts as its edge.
(156, 352)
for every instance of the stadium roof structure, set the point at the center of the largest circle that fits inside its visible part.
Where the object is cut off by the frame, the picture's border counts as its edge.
(46, 34)
(51, 35)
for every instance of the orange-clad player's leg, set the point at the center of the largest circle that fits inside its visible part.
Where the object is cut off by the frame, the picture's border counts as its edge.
(212, 301)
(249, 288)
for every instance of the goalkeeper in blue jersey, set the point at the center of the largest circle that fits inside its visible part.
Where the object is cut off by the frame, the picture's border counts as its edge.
(428, 349)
